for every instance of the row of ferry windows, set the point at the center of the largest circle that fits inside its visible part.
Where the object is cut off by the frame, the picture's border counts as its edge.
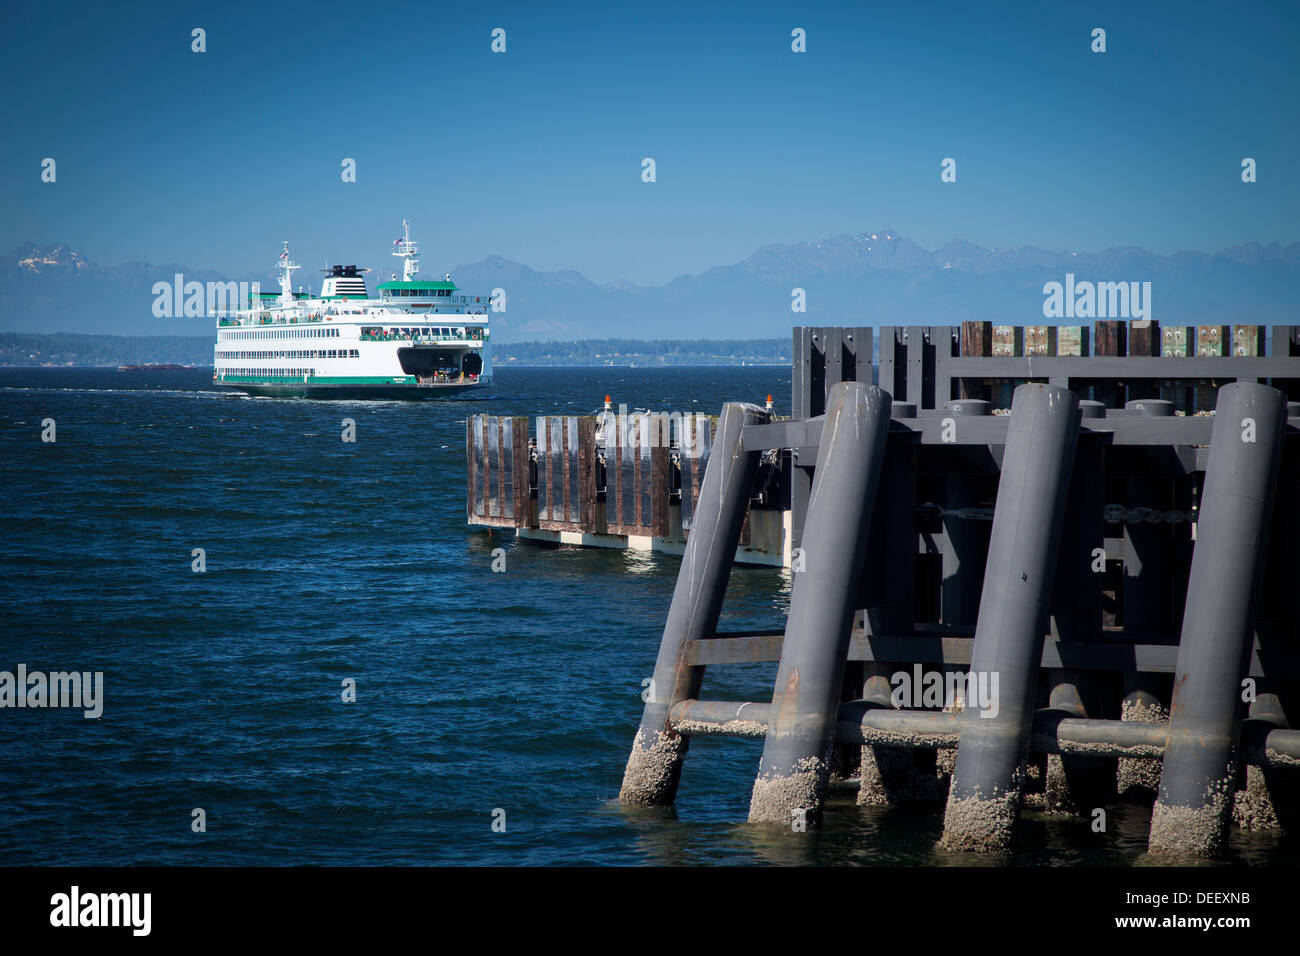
(293, 353)
(422, 293)
(326, 332)
(270, 372)
(322, 332)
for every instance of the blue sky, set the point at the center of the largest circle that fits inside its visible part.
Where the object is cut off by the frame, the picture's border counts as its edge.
(211, 159)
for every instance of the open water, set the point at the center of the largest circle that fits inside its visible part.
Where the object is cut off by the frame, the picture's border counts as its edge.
(329, 561)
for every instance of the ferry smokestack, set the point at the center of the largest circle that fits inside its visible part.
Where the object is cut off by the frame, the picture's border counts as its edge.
(769, 404)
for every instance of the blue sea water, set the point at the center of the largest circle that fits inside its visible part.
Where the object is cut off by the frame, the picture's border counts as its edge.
(328, 561)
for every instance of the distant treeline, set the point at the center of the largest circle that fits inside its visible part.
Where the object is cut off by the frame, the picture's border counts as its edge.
(638, 352)
(65, 348)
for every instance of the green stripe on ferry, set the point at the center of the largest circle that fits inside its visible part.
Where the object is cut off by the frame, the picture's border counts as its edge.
(319, 380)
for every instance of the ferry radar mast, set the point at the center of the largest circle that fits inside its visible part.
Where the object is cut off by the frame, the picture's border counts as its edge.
(286, 266)
(408, 252)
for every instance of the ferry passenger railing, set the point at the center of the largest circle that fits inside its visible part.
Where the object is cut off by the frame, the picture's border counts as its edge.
(466, 336)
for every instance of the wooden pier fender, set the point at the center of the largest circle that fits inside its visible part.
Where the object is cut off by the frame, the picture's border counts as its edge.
(637, 462)
(694, 447)
(566, 473)
(498, 486)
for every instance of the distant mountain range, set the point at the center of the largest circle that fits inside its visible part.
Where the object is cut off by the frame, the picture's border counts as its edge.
(863, 279)
(87, 349)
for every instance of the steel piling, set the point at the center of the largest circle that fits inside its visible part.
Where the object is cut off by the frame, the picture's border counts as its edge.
(794, 768)
(1194, 802)
(655, 763)
(984, 798)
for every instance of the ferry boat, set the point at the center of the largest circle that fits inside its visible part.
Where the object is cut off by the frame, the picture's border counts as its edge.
(417, 339)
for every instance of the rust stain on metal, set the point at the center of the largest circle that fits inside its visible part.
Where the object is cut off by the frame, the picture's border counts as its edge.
(789, 700)
(1174, 703)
